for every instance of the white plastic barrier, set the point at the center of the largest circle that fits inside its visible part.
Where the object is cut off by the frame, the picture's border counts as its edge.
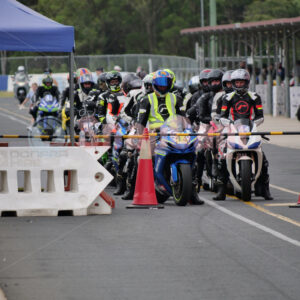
(278, 101)
(295, 100)
(32, 197)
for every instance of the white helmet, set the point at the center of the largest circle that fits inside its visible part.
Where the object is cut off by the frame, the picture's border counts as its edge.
(21, 69)
(240, 74)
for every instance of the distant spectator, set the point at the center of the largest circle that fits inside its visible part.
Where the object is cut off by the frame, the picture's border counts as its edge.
(264, 72)
(272, 71)
(99, 71)
(296, 74)
(243, 65)
(281, 72)
(298, 113)
(117, 68)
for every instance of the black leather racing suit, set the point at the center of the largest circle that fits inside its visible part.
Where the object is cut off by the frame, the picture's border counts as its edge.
(239, 106)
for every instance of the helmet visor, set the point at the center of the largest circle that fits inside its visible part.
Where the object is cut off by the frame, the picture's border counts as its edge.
(162, 84)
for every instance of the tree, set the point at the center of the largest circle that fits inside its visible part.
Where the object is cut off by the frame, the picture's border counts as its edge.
(271, 9)
(231, 11)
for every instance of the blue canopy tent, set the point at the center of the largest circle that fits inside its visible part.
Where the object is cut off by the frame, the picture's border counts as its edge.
(23, 29)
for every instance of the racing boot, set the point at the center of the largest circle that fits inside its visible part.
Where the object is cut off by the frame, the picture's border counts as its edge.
(129, 193)
(266, 193)
(195, 200)
(221, 195)
(265, 179)
(121, 184)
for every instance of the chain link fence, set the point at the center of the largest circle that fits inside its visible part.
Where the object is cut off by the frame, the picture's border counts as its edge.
(184, 67)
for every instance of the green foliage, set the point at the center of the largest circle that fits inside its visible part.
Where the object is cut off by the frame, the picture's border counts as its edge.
(260, 10)
(150, 26)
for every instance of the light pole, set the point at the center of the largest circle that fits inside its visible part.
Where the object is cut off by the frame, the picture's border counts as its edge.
(213, 22)
(202, 13)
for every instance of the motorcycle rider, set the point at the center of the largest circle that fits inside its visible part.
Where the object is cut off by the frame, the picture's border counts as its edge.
(211, 82)
(101, 83)
(111, 102)
(250, 102)
(191, 113)
(132, 163)
(109, 106)
(46, 87)
(86, 85)
(131, 87)
(66, 91)
(48, 71)
(218, 98)
(193, 87)
(21, 81)
(158, 106)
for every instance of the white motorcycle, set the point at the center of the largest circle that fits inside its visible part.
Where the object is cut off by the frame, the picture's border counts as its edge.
(244, 157)
(21, 86)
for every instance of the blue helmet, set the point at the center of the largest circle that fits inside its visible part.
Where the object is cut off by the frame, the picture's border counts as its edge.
(162, 82)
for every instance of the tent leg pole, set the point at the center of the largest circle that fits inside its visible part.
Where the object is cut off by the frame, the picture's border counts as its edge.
(71, 97)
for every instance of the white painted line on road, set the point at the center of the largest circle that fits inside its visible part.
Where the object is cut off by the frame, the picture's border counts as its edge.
(2, 296)
(14, 119)
(252, 223)
(14, 114)
(284, 189)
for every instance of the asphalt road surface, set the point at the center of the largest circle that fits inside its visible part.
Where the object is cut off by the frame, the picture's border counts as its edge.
(221, 250)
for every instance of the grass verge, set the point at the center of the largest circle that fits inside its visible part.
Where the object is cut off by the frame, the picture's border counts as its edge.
(5, 94)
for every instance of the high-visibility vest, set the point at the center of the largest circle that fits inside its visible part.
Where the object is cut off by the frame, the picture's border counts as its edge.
(155, 119)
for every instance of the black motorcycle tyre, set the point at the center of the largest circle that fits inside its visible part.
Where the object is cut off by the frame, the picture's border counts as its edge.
(246, 172)
(182, 191)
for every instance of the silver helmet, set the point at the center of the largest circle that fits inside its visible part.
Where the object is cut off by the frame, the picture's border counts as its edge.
(240, 74)
(227, 78)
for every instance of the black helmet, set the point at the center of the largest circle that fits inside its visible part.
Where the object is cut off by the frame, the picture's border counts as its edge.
(215, 74)
(101, 78)
(101, 82)
(130, 82)
(203, 77)
(112, 76)
(194, 84)
(227, 78)
(47, 82)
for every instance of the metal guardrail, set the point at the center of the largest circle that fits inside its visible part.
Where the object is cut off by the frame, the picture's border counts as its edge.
(184, 67)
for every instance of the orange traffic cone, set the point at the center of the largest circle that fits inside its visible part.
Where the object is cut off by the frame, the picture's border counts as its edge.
(144, 193)
(297, 204)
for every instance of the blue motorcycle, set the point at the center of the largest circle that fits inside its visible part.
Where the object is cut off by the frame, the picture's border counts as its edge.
(174, 160)
(47, 122)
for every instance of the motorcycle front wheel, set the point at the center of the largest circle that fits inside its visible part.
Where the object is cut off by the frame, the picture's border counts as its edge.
(182, 190)
(246, 172)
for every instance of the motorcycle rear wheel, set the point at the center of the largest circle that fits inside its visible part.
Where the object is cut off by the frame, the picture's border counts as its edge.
(182, 190)
(246, 172)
